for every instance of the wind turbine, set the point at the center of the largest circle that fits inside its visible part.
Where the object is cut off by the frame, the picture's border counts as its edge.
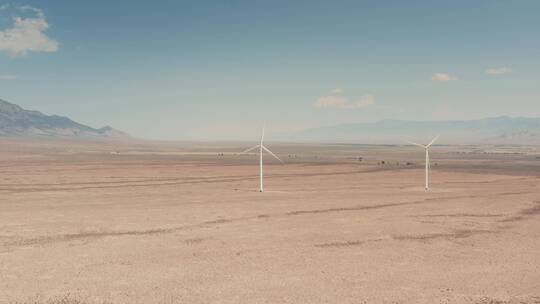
(261, 148)
(426, 147)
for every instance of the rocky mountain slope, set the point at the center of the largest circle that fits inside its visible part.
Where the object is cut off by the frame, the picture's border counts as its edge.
(16, 121)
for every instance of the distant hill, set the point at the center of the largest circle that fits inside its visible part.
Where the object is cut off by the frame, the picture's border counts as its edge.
(498, 130)
(16, 122)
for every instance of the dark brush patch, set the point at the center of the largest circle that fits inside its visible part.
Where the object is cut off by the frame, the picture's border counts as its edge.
(65, 299)
(194, 241)
(223, 221)
(94, 235)
(531, 211)
(89, 235)
(512, 219)
(126, 184)
(456, 234)
(346, 244)
(83, 235)
(460, 215)
(524, 214)
(512, 300)
(18, 188)
(487, 300)
(373, 207)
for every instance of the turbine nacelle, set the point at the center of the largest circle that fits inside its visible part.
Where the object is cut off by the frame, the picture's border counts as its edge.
(263, 148)
(425, 146)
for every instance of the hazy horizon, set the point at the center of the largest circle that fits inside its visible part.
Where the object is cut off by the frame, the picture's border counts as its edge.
(187, 70)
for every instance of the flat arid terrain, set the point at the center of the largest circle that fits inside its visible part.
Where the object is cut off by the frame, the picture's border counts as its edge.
(88, 222)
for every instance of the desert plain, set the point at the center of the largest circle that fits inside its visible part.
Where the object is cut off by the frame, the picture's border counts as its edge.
(93, 222)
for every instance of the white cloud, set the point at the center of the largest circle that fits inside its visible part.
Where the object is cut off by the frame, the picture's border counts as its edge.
(7, 77)
(498, 71)
(337, 91)
(336, 100)
(27, 34)
(442, 77)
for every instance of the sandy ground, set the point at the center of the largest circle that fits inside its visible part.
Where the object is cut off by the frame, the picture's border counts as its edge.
(108, 223)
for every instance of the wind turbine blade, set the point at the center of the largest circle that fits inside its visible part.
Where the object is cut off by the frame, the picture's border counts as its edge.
(413, 143)
(434, 139)
(252, 148)
(270, 152)
(262, 136)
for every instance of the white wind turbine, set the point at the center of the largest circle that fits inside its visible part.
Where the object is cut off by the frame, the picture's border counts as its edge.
(261, 148)
(426, 147)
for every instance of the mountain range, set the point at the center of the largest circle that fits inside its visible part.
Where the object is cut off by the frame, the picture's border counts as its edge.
(18, 122)
(497, 130)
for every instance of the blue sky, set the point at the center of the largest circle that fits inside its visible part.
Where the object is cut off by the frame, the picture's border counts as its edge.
(217, 69)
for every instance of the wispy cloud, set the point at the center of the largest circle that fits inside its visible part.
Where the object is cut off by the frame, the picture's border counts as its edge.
(498, 71)
(337, 91)
(443, 77)
(7, 77)
(337, 100)
(27, 34)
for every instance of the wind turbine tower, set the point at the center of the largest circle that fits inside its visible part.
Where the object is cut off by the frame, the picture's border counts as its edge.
(261, 148)
(426, 147)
